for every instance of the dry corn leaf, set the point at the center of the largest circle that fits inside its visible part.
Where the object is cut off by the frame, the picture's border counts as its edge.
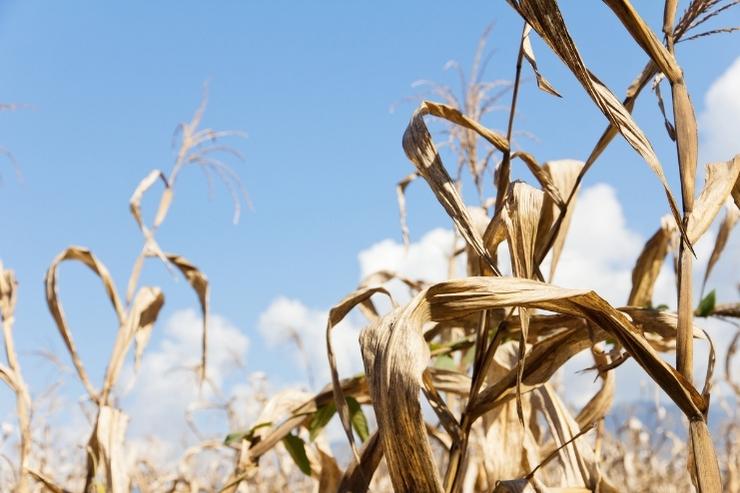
(542, 176)
(510, 450)
(199, 282)
(140, 320)
(528, 52)
(650, 70)
(419, 148)
(648, 264)
(646, 38)
(401, 196)
(718, 183)
(661, 106)
(439, 406)
(395, 355)
(521, 215)
(453, 299)
(329, 473)
(336, 315)
(686, 135)
(451, 381)
(55, 306)
(473, 264)
(576, 470)
(543, 360)
(658, 326)
(563, 174)
(150, 244)
(367, 307)
(732, 214)
(545, 18)
(357, 477)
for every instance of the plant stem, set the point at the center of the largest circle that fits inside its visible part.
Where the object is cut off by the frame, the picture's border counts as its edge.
(504, 172)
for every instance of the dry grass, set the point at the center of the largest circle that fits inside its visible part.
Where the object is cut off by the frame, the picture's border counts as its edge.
(483, 350)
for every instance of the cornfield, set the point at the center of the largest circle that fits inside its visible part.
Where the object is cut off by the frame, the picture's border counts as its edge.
(459, 391)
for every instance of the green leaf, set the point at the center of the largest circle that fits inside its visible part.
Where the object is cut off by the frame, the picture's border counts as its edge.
(445, 362)
(320, 419)
(433, 346)
(357, 418)
(296, 447)
(662, 307)
(706, 306)
(238, 436)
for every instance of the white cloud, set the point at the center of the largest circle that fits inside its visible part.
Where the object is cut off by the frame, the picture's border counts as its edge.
(600, 250)
(285, 318)
(720, 120)
(425, 259)
(166, 385)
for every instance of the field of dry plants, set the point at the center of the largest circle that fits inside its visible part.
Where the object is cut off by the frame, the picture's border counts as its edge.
(459, 391)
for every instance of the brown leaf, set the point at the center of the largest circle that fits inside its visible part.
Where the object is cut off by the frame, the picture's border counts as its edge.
(544, 16)
(528, 52)
(55, 306)
(336, 315)
(419, 148)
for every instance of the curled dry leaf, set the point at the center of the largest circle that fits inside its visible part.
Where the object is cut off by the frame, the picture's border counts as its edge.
(418, 145)
(401, 197)
(686, 135)
(395, 355)
(140, 321)
(544, 16)
(648, 264)
(150, 243)
(336, 315)
(521, 216)
(528, 53)
(718, 184)
(55, 306)
(563, 174)
(732, 214)
(199, 282)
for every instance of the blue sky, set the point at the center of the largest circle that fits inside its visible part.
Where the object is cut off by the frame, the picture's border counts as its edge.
(311, 83)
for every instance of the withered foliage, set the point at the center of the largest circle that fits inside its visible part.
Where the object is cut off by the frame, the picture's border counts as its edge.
(491, 418)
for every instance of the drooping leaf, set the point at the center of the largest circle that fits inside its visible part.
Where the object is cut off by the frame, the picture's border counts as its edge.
(358, 419)
(706, 305)
(296, 447)
(320, 419)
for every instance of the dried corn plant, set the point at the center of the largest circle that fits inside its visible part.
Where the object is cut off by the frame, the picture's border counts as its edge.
(458, 391)
(106, 462)
(483, 349)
